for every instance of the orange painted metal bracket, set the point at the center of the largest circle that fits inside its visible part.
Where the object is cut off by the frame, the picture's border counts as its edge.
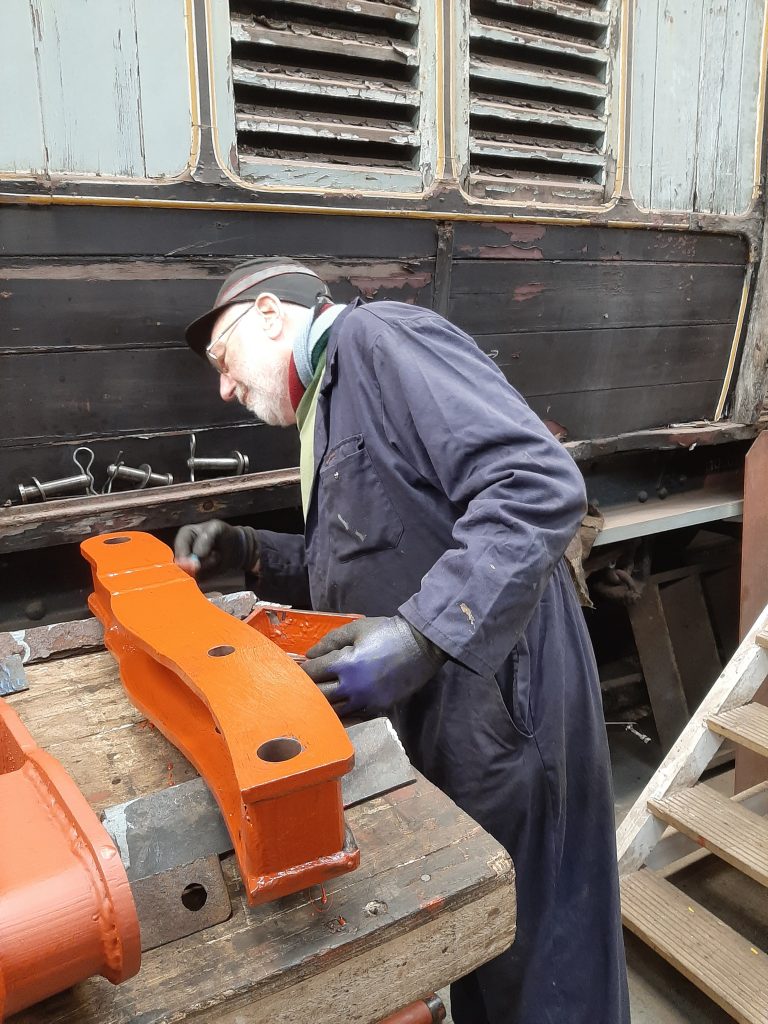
(254, 725)
(66, 909)
(295, 631)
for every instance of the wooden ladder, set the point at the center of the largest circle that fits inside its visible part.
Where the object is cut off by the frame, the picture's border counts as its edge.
(722, 963)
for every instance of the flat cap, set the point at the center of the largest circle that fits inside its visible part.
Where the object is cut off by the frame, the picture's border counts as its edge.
(285, 278)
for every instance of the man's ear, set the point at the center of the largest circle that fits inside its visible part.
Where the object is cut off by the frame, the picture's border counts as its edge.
(272, 310)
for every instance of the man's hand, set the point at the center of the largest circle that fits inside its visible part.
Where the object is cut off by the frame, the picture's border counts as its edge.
(377, 663)
(204, 548)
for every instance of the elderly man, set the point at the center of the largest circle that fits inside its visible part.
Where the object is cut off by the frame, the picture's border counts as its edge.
(438, 505)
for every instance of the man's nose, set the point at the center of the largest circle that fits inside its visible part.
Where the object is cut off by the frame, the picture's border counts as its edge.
(227, 387)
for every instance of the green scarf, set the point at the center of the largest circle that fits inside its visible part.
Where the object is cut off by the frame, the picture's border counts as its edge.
(305, 420)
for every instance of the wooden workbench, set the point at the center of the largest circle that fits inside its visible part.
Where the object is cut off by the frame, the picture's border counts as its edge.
(432, 899)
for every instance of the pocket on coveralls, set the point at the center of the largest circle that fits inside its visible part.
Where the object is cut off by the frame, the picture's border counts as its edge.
(353, 504)
(515, 692)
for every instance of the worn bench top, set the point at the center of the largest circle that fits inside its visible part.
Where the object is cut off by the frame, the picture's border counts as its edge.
(432, 899)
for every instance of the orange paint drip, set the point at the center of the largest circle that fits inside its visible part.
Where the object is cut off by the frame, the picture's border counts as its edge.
(66, 909)
(324, 902)
(261, 734)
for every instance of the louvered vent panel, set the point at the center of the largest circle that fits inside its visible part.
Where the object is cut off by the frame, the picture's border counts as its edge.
(327, 81)
(538, 88)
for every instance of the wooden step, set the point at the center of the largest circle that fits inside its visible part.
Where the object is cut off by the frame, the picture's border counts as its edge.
(719, 961)
(730, 831)
(747, 726)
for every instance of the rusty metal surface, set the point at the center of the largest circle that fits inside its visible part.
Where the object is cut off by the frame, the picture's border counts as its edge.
(181, 901)
(13, 678)
(42, 642)
(66, 911)
(160, 831)
(253, 724)
(39, 643)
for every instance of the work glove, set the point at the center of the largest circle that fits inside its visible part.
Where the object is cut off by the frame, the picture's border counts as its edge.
(371, 664)
(215, 546)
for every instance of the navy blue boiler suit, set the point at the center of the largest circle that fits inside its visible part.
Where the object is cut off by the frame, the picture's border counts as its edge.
(438, 493)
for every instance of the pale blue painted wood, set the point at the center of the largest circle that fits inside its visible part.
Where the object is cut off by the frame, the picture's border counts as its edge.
(428, 106)
(96, 87)
(164, 85)
(695, 84)
(89, 85)
(734, 128)
(749, 120)
(223, 94)
(646, 17)
(712, 74)
(21, 128)
(318, 176)
(676, 104)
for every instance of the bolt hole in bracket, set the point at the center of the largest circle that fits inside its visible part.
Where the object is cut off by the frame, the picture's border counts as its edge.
(194, 896)
(261, 734)
(221, 651)
(179, 900)
(284, 748)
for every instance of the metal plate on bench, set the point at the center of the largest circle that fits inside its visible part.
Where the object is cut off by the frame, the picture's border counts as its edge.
(170, 841)
(183, 823)
(181, 901)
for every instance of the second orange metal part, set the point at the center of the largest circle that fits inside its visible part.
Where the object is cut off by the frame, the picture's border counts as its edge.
(295, 631)
(257, 729)
(66, 909)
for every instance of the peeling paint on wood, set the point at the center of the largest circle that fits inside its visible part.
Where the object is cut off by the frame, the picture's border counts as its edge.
(396, 281)
(158, 269)
(524, 292)
(694, 122)
(72, 520)
(105, 88)
(687, 436)
(21, 127)
(369, 70)
(559, 242)
(583, 294)
(540, 86)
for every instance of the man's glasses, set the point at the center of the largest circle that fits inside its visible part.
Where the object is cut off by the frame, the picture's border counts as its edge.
(215, 358)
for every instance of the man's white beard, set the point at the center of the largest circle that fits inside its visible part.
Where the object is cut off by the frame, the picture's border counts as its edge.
(265, 394)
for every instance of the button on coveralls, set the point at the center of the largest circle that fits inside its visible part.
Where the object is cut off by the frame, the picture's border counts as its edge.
(438, 493)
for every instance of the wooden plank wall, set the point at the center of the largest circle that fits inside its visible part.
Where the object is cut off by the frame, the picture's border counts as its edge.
(694, 109)
(604, 330)
(93, 304)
